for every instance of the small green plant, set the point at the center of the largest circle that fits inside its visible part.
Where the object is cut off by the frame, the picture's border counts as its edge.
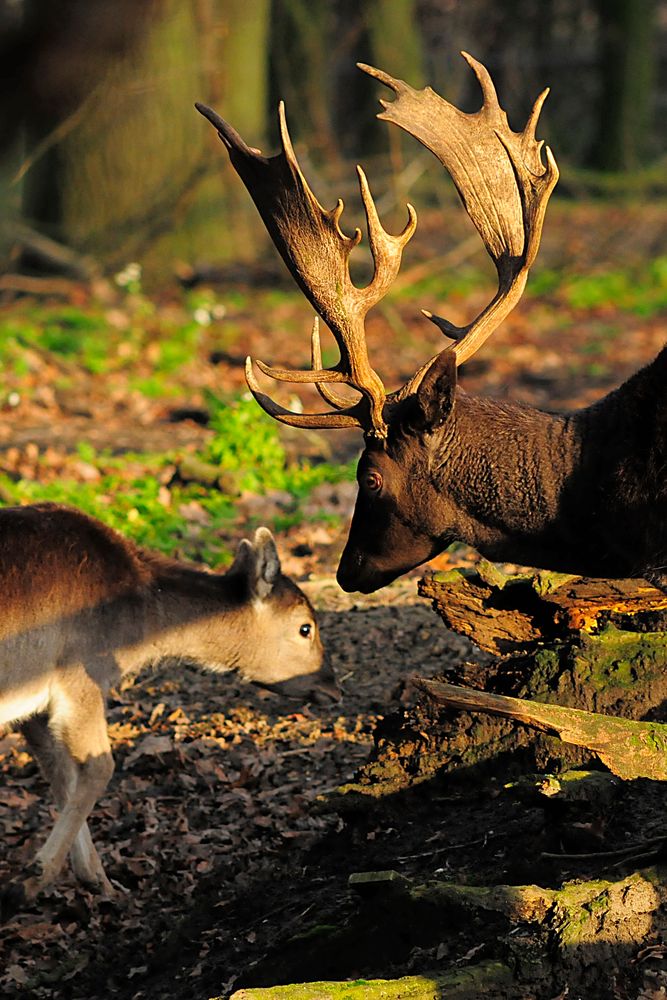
(129, 278)
(247, 444)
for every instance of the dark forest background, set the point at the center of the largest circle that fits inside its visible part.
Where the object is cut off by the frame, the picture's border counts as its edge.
(103, 153)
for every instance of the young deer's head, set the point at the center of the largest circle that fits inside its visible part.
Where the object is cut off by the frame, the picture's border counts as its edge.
(505, 187)
(281, 645)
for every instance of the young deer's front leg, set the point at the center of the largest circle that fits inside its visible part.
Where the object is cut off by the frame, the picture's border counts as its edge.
(76, 758)
(61, 772)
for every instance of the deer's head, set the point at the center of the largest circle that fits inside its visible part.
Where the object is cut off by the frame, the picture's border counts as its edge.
(505, 187)
(281, 646)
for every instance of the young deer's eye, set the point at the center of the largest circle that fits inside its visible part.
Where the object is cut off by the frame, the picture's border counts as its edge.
(305, 630)
(373, 481)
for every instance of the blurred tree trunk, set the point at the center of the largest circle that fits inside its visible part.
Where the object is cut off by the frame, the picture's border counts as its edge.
(54, 57)
(139, 172)
(395, 39)
(244, 65)
(627, 72)
(302, 37)
(386, 34)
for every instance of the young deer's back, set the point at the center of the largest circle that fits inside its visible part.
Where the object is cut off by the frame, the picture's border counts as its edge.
(75, 589)
(55, 561)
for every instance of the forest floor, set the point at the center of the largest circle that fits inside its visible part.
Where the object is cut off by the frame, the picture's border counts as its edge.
(215, 826)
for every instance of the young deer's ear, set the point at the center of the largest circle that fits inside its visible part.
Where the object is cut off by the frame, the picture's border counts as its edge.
(435, 396)
(244, 560)
(267, 562)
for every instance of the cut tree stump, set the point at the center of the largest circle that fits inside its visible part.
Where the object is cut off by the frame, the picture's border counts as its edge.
(505, 614)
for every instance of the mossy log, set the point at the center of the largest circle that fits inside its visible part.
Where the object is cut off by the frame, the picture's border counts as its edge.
(579, 925)
(595, 645)
(571, 787)
(509, 614)
(488, 979)
(543, 938)
(642, 892)
(519, 903)
(628, 748)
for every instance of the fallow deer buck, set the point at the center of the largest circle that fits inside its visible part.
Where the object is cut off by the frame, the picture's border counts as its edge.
(583, 492)
(81, 608)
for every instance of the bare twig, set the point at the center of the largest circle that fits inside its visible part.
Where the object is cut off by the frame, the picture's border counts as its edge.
(620, 852)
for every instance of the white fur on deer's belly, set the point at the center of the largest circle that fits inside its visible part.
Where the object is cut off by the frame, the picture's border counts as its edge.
(14, 707)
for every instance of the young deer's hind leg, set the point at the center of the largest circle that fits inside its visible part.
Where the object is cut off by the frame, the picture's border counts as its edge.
(61, 772)
(84, 765)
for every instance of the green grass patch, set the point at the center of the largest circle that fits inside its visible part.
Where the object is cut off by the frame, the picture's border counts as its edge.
(247, 445)
(190, 520)
(68, 333)
(87, 340)
(641, 290)
(146, 350)
(135, 508)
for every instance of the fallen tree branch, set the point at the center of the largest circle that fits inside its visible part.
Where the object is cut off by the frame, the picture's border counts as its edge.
(642, 849)
(629, 749)
(28, 284)
(54, 255)
(525, 903)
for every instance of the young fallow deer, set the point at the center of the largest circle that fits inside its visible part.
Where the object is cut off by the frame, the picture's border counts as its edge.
(583, 492)
(81, 608)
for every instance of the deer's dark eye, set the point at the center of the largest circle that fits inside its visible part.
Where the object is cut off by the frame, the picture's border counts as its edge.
(373, 482)
(305, 630)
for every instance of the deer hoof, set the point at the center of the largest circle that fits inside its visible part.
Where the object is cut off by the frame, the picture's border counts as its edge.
(103, 887)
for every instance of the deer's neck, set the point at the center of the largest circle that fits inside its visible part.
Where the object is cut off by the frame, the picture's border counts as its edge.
(559, 491)
(185, 614)
(507, 470)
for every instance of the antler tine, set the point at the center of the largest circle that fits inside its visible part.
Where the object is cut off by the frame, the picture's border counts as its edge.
(316, 251)
(501, 179)
(353, 416)
(385, 249)
(339, 402)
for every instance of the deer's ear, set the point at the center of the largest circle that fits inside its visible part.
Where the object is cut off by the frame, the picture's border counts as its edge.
(435, 396)
(244, 560)
(267, 562)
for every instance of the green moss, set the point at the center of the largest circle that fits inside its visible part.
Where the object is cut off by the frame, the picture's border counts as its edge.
(545, 583)
(546, 667)
(453, 576)
(314, 933)
(614, 658)
(460, 984)
(577, 905)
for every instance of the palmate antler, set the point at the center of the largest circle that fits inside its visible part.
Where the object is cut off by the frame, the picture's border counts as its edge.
(500, 178)
(316, 251)
(503, 184)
